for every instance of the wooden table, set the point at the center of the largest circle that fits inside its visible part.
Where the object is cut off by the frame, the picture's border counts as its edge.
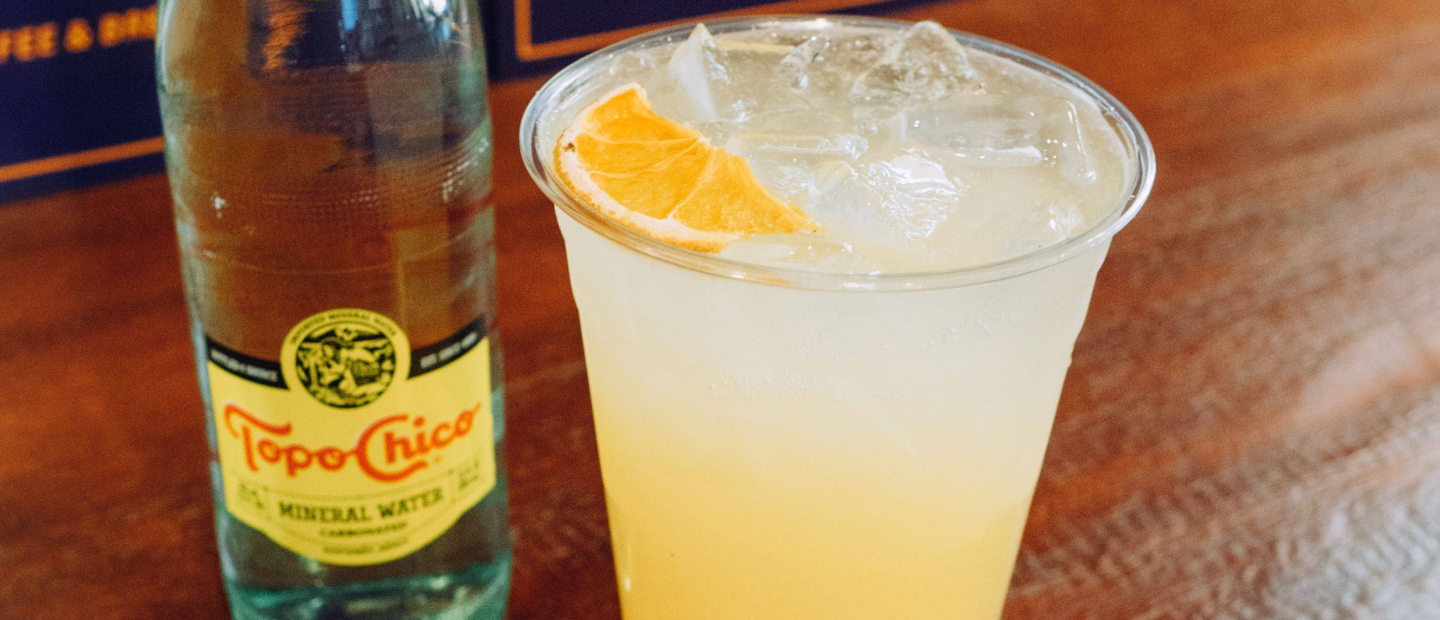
(1250, 429)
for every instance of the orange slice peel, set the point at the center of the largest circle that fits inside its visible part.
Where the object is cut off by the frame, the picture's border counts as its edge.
(665, 180)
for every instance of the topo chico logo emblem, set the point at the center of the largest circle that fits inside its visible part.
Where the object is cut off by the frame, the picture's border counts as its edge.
(345, 363)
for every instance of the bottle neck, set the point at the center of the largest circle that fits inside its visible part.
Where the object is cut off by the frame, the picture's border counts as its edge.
(301, 34)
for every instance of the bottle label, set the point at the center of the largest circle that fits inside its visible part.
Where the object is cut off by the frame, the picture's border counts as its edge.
(351, 448)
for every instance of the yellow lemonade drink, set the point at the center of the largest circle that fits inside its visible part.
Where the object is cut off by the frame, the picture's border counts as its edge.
(823, 380)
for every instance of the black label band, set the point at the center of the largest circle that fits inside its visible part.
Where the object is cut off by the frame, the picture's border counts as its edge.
(264, 372)
(436, 356)
(423, 360)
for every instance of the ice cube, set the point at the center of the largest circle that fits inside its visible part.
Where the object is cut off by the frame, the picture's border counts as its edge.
(981, 130)
(783, 162)
(824, 67)
(798, 147)
(720, 80)
(1050, 223)
(784, 147)
(860, 51)
(927, 64)
(808, 251)
(999, 131)
(631, 65)
(695, 68)
(1065, 143)
(794, 66)
(808, 122)
(848, 57)
(888, 208)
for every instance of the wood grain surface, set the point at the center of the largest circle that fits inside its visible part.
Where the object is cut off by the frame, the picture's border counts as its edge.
(1250, 430)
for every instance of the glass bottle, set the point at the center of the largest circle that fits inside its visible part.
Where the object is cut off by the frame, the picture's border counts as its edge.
(331, 168)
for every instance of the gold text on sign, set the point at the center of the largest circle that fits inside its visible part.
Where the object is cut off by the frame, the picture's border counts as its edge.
(32, 42)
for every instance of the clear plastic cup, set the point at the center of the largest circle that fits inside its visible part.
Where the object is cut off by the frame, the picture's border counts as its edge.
(792, 445)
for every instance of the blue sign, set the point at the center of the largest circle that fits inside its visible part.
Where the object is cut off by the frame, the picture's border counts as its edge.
(77, 93)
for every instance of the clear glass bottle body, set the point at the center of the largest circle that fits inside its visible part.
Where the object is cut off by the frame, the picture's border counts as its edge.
(337, 154)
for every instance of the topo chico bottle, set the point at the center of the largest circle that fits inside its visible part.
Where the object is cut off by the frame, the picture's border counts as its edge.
(330, 162)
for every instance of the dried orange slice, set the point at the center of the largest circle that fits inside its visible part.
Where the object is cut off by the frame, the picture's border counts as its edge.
(664, 179)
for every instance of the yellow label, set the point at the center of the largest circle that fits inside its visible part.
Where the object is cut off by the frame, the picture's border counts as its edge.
(349, 451)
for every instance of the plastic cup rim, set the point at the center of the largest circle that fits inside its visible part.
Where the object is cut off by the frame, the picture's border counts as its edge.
(568, 81)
